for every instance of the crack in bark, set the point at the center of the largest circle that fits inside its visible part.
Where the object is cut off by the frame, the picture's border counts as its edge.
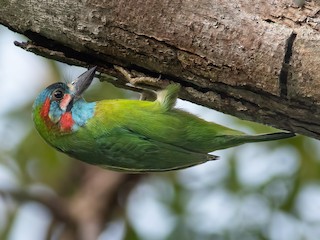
(283, 77)
(165, 43)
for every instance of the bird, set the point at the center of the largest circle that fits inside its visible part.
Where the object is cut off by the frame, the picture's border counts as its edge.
(131, 135)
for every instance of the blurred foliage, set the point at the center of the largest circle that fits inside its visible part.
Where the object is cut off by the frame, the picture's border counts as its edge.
(257, 191)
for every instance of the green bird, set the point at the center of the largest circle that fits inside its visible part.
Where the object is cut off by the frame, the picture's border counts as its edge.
(131, 135)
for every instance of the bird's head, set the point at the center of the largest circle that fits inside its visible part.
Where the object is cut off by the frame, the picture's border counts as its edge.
(54, 106)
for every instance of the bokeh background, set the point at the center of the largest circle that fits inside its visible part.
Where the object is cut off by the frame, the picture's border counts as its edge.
(255, 191)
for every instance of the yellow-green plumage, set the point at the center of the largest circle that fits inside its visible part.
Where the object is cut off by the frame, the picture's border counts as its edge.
(140, 136)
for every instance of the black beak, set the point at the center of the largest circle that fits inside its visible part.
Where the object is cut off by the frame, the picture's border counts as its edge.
(78, 86)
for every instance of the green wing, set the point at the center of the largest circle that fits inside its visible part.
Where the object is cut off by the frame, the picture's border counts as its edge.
(126, 150)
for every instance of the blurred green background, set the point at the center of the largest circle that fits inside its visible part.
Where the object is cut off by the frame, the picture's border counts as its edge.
(255, 191)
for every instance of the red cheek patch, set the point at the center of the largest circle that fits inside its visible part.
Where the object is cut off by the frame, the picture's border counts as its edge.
(45, 109)
(66, 122)
(44, 112)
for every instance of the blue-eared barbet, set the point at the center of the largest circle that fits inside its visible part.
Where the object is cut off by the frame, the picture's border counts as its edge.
(131, 135)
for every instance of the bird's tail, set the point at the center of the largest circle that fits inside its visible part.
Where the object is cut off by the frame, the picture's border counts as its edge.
(267, 137)
(232, 140)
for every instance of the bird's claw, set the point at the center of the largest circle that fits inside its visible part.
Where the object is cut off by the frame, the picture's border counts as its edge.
(145, 85)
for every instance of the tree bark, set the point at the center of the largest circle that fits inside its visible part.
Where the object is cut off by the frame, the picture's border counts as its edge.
(253, 59)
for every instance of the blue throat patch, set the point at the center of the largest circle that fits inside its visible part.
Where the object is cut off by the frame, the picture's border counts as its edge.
(82, 111)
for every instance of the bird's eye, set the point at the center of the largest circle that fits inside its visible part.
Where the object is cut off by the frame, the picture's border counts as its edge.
(57, 94)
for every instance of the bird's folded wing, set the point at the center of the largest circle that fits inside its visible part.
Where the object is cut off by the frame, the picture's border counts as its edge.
(130, 151)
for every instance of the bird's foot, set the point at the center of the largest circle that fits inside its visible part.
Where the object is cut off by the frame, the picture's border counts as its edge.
(147, 86)
(136, 81)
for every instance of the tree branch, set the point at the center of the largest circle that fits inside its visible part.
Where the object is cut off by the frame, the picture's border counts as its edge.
(255, 60)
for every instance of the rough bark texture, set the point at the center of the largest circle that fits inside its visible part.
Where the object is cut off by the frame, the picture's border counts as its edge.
(256, 60)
